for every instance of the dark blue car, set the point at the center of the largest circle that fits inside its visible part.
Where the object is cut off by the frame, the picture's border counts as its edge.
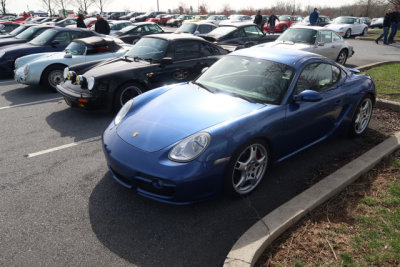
(51, 40)
(188, 142)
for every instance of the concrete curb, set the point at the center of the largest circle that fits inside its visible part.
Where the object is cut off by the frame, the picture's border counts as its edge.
(253, 242)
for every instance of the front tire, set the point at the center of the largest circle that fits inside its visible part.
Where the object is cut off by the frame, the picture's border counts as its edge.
(247, 168)
(342, 57)
(126, 93)
(361, 117)
(53, 76)
(364, 32)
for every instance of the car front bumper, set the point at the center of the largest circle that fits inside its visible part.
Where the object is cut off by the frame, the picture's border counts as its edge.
(154, 176)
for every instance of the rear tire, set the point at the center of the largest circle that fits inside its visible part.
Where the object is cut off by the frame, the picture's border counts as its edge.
(126, 93)
(342, 57)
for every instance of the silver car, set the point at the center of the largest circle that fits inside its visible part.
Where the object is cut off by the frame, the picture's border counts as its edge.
(317, 40)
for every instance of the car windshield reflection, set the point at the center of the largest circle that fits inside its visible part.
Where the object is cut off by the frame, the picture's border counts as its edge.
(149, 49)
(307, 36)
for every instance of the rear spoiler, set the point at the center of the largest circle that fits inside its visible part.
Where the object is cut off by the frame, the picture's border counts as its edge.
(354, 70)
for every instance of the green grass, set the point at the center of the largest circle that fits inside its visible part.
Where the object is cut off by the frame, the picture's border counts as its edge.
(375, 33)
(387, 81)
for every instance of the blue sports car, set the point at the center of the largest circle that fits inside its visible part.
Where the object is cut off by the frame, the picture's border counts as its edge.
(189, 142)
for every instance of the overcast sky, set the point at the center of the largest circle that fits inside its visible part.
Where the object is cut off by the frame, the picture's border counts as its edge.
(141, 5)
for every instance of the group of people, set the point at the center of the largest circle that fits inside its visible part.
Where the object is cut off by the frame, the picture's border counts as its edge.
(390, 21)
(258, 20)
(101, 25)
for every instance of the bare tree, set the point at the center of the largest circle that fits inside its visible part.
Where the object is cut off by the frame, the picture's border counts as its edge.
(49, 5)
(3, 6)
(83, 5)
(101, 4)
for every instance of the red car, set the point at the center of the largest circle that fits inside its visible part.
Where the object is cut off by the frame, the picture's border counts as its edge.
(19, 20)
(165, 18)
(285, 21)
(157, 19)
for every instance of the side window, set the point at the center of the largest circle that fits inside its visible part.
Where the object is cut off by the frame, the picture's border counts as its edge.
(317, 77)
(102, 49)
(204, 28)
(208, 50)
(39, 32)
(155, 28)
(139, 29)
(238, 33)
(146, 29)
(63, 38)
(326, 36)
(252, 31)
(187, 50)
(336, 37)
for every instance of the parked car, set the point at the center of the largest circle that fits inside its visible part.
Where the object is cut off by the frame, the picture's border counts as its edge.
(200, 28)
(151, 14)
(284, 23)
(196, 18)
(322, 21)
(178, 21)
(366, 20)
(20, 20)
(7, 27)
(51, 40)
(238, 35)
(376, 23)
(235, 19)
(116, 15)
(131, 34)
(54, 19)
(157, 19)
(315, 39)
(118, 25)
(348, 26)
(25, 36)
(216, 19)
(64, 22)
(186, 143)
(153, 61)
(166, 18)
(15, 32)
(47, 68)
(131, 15)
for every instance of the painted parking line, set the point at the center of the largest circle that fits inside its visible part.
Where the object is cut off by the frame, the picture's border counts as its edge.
(32, 103)
(50, 150)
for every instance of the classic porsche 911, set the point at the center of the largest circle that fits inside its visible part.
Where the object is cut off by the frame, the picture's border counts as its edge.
(348, 26)
(48, 68)
(155, 60)
(187, 142)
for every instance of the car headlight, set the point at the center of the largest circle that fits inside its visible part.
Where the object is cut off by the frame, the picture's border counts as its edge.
(123, 111)
(2, 53)
(26, 69)
(65, 74)
(190, 148)
(90, 83)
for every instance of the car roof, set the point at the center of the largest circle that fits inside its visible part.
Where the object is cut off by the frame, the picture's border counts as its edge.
(95, 40)
(201, 22)
(173, 36)
(285, 56)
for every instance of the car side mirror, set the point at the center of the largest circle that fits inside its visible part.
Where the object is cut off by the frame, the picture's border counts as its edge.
(55, 43)
(308, 96)
(166, 61)
(321, 43)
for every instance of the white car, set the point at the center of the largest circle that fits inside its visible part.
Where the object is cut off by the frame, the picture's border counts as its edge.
(348, 26)
(216, 19)
(235, 19)
(47, 68)
(314, 39)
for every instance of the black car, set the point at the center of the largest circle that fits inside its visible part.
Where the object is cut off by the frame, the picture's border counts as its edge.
(116, 15)
(25, 36)
(51, 40)
(131, 15)
(156, 60)
(239, 35)
(148, 15)
(17, 31)
(131, 34)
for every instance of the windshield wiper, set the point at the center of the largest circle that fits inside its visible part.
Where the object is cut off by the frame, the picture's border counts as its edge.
(204, 87)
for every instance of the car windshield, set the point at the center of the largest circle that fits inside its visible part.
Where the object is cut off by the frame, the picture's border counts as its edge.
(221, 31)
(297, 35)
(43, 38)
(254, 79)
(128, 28)
(187, 28)
(284, 18)
(25, 35)
(75, 48)
(342, 20)
(18, 30)
(149, 49)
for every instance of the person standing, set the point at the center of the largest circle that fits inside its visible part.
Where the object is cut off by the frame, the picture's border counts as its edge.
(314, 17)
(386, 25)
(271, 23)
(101, 25)
(79, 22)
(395, 18)
(258, 20)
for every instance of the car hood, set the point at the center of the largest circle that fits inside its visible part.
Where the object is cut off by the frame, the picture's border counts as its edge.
(298, 46)
(116, 65)
(179, 113)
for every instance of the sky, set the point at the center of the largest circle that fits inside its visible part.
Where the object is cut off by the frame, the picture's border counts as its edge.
(18, 6)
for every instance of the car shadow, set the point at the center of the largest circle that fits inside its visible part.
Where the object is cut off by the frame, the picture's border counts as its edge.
(147, 233)
(25, 94)
(78, 124)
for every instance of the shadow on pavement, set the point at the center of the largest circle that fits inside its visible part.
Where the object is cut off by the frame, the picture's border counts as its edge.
(79, 124)
(148, 233)
(24, 94)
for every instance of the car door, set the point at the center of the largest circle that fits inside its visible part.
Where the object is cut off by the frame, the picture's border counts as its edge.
(357, 26)
(254, 35)
(237, 37)
(308, 122)
(325, 47)
(338, 44)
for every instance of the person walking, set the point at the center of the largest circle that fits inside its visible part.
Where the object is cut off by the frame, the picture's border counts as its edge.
(258, 20)
(386, 25)
(314, 17)
(79, 22)
(271, 23)
(395, 18)
(101, 25)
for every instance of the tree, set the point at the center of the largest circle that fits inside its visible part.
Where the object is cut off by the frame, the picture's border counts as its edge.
(202, 10)
(83, 5)
(3, 6)
(49, 6)
(226, 10)
(101, 4)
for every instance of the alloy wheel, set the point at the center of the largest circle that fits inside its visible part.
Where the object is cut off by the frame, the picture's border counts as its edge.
(363, 116)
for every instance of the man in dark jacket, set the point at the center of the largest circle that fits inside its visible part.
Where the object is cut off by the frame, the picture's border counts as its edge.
(386, 25)
(314, 17)
(271, 22)
(101, 25)
(395, 19)
(79, 22)
(258, 20)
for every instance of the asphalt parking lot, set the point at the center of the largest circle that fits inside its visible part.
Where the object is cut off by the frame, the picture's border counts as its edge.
(59, 205)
